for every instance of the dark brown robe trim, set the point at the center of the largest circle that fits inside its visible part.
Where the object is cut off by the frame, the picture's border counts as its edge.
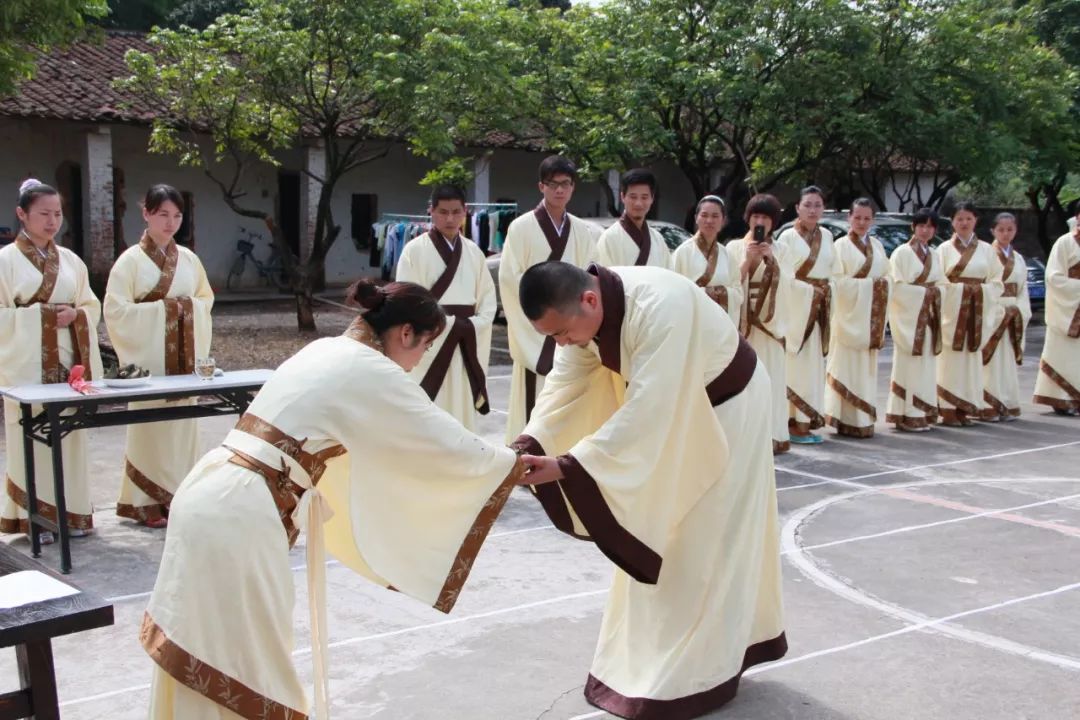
(461, 334)
(557, 245)
(613, 301)
(580, 489)
(641, 237)
(691, 706)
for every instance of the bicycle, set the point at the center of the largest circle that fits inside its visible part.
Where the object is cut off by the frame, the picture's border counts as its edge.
(271, 271)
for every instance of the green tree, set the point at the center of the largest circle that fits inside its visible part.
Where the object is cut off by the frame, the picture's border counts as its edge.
(31, 26)
(354, 77)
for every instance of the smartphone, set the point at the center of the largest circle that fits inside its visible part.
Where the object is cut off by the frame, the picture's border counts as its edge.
(759, 233)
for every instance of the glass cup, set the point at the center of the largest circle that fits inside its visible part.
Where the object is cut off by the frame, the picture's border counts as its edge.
(204, 368)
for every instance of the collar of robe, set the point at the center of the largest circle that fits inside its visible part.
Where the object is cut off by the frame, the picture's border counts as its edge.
(704, 245)
(362, 332)
(613, 301)
(807, 231)
(39, 257)
(962, 244)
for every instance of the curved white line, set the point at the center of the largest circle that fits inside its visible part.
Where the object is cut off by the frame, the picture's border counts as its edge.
(834, 584)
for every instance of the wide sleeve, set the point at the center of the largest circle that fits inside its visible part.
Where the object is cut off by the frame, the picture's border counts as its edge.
(416, 494)
(202, 304)
(1062, 291)
(486, 304)
(20, 328)
(136, 329)
(88, 305)
(525, 343)
(627, 489)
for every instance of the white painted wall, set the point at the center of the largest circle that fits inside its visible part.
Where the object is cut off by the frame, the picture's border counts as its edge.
(37, 147)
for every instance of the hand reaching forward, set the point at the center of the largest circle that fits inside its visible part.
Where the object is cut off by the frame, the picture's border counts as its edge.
(542, 470)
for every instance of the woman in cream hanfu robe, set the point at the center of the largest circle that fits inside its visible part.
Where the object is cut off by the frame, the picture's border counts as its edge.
(970, 308)
(705, 261)
(813, 263)
(625, 244)
(1058, 381)
(454, 372)
(686, 511)
(915, 324)
(157, 310)
(860, 304)
(531, 239)
(763, 316)
(341, 432)
(40, 283)
(1004, 349)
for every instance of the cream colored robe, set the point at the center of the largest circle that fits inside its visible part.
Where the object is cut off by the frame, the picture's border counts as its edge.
(164, 335)
(618, 248)
(860, 303)
(1058, 382)
(33, 350)
(723, 284)
(763, 321)
(965, 325)
(678, 494)
(915, 325)
(1004, 348)
(471, 293)
(532, 239)
(413, 496)
(809, 307)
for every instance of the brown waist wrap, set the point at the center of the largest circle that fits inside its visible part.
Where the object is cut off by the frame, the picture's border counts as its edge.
(462, 334)
(1011, 290)
(285, 492)
(735, 377)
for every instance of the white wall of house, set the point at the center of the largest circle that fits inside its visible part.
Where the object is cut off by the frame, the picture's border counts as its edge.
(37, 148)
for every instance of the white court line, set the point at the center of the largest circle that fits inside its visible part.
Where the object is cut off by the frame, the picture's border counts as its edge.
(381, 636)
(959, 462)
(923, 526)
(329, 563)
(499, 412)
(929, 624)
(839, 587)
(800, 473)
(499, 377)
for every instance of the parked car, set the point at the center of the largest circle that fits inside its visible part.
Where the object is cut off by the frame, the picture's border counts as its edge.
(674, 236)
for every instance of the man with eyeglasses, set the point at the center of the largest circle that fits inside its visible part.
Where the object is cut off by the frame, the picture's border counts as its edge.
(547, 233)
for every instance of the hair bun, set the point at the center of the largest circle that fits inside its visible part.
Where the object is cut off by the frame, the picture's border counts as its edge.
(29, 184)
(366, 295)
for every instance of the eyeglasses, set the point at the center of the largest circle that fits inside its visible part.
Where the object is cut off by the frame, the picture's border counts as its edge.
(560, 185)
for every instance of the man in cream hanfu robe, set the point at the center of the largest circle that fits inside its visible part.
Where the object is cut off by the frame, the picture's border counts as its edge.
(915, 325)
(1058, 382)
(860, 302)
(531, 239)
(627, 244)
(970, 308)
(711, 268)
(157, 310)
(338, 429)
(1004, 348)
(454, 372)
(687, 510)
(35, 285)
(762, 321)
(813, 264)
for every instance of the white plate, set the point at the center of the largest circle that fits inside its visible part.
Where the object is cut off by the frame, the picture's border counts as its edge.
(128, 382)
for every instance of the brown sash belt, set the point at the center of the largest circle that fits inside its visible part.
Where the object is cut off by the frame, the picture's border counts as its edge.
(285, 492)
(461, 335)
(1011, 289)
(735, 377)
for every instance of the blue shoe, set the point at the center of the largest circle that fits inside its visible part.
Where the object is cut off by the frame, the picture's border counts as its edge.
(810, 439)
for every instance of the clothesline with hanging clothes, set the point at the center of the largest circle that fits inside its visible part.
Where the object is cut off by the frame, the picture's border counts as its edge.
(486, 224)
(392, 231)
